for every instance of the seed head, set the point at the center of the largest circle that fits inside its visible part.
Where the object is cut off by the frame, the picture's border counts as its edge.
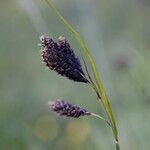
(60, 57)
(65, 109)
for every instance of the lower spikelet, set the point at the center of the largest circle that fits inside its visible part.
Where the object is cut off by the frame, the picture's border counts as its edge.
(65, 109)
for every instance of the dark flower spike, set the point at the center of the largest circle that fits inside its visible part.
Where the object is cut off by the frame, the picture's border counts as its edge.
(60, 57)
(65, 109)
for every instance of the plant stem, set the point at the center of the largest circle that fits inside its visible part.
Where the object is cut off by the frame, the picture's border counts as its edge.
(117, 146)
(98, 116)
(98, 86)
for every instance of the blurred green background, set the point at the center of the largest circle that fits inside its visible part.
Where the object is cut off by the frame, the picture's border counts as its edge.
(117, 32)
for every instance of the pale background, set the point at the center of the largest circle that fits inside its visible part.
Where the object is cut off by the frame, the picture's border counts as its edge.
(117, 32)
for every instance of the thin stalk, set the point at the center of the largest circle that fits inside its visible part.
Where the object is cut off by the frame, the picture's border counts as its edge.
(98, 116)
(92, 84)
(98, 83)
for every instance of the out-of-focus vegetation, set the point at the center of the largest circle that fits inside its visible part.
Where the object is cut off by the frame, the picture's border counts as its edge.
(117, 33)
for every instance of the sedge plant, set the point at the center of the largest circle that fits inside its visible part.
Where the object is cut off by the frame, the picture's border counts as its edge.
(60, 57)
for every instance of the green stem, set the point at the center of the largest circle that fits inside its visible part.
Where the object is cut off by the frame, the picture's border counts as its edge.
(98, 83)
(117, 146)
(92, 84)
(98, 116)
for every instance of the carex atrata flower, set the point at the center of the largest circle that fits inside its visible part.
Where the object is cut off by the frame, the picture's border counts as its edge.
(60, 57)
(66, 109)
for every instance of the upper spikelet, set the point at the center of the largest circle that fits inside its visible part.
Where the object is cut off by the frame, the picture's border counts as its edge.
(61, 58)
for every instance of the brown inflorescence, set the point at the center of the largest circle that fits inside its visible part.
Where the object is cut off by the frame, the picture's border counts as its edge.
(60, 57)
(65, 109)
